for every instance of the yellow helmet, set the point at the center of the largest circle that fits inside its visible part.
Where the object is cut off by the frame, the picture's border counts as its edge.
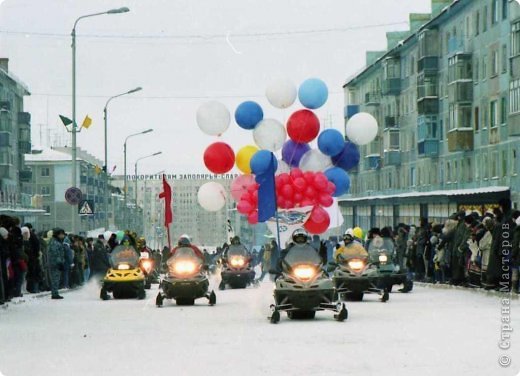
(358, 232)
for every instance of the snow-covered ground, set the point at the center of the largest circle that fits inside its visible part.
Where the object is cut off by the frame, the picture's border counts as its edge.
(427, 332)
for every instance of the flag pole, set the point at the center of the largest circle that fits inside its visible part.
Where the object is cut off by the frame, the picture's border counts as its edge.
(276, 209)
(169, 237)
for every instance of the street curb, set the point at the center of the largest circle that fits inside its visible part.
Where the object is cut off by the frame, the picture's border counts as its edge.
(28, 297)
(475, 290)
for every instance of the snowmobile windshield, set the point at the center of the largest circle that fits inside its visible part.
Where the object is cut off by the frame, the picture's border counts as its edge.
(124, 255)
(237, 250)
(184, 262)
(379, 246)
(302, 254)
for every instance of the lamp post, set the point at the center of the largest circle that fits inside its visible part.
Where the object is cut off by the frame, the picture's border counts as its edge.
(74, 125)
(105, 115)
(135, 170)
(125, 189)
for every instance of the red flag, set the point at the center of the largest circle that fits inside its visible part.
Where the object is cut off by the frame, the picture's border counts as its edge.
(167, 195)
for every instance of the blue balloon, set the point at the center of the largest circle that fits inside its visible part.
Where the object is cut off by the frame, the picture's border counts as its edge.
(340, 179)
(313, 93)
(348, 158)
(260, 162)
(248, 115)
(330, 142)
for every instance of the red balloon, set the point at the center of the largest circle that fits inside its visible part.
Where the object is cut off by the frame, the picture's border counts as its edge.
(283, 178)
(289, 204)
(303, 126)
(219, 158)
(253, 217)
(288, 191)
(246, 197)
(318, 214)
(244, 207)
(280, 201)
(307, 202)
(299, 184)
(310, 192)
(320, 182)
(298, 198)
(325, 200)
(255, 198)
(251, 188)
(296, 173)
(309, 177)
(330, 188)
(317, 227)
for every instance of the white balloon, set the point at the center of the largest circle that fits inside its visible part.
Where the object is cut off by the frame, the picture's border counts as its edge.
(281, 93)
(270, 135)
(283, 167)
(362, 128)
(212, 196)
(213, 118)
(315, 160)
(107, 235)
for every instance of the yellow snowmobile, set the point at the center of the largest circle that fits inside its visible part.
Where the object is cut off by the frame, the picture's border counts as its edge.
(124, 279)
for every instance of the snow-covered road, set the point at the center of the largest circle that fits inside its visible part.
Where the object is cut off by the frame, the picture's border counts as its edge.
(427, 332)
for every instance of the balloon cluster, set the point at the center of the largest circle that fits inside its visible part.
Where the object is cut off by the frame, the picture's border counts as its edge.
(304, 176)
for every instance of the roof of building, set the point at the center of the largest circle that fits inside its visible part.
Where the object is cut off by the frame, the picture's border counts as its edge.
(16, 81)
(451, 192)
(60, 154)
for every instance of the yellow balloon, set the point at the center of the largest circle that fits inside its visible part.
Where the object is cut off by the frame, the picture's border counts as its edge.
(243, 158)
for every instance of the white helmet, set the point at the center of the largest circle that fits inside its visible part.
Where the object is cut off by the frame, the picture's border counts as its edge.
(350, 231)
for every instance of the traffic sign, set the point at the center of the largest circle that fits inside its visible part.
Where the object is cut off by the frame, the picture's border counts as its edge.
(73, 195)
(86, 207)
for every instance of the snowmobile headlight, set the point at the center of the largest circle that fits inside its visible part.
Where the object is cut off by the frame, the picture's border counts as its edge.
(237, 261)
(356, 265)
(123, 267)
(147, 265)
(383, 258)
(304, 272)
(184, 267)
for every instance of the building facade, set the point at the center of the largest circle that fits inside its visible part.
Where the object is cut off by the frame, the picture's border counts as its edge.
(51, 173)
(446, 96)
(15, 140)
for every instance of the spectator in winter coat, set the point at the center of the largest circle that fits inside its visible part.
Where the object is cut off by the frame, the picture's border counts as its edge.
(458, 251)
(400, 246)
(421, 241)
(484, 246)
(19, 259)
(34, 266)
(515, 259)
(99, 263)
(56, 260)
(3, 269)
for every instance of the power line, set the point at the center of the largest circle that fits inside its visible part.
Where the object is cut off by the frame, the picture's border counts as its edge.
(202, 37)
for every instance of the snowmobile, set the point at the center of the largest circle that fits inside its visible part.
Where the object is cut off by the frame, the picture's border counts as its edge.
(147, 265)
(303, 287)
(380, 254)
(355, 276)
(186, 279)
(124, 278)
(236, 269)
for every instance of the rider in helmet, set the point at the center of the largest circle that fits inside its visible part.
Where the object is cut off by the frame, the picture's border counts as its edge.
(352, 247)
(185, 241)
(299, 237)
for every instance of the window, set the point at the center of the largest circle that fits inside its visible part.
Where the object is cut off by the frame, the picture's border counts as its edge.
(476, 71)
(504, 9)
(504, 59)
(45, 190)
(504, 163)
(493, 114)
(485, 120)
(513, 162)
(494, 12)
(448, 172)
(485, 167)
(484, 68)
(45, 172)
(469, 171)
(477, 167)
(494, 63)
(494, 164)
(515, 39)
(514, 96)
(47, 208)
(484, 19)
(476, 119)
(503, 110)
(477, 23)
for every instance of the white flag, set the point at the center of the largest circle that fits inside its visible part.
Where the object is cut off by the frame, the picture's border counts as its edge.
(336, 218)
(289, 221)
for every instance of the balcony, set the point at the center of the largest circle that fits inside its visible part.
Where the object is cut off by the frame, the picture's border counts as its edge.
(390, 122)
(428, 64)
(460, 139)
(350, 110)
(428, 148)
(391, 86)
(25, 176)
(513, 123)
(24, 147)
(372, 99)
(392, 157)
(460, 92)
(428, 106)
(24, 118)
(5, 105)
(373, 162)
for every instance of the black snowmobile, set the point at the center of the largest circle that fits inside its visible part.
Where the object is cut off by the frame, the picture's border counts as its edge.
(237, 271)
(186, 279)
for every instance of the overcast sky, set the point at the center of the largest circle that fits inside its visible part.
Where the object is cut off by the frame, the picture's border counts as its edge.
(177, 50)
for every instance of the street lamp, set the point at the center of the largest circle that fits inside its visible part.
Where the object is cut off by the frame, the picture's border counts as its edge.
(125, 177)
(74, 125)
(105, 114)
(135, 170)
